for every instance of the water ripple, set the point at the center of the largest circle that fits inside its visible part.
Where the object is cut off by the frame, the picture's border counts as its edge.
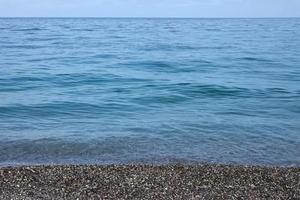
(149, 90)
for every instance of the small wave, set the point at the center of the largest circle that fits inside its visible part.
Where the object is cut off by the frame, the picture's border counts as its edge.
(31, 46)
(237, 113)
(215, 47)
(83, 29)
(21, 79)
(197, 90)
(64, 109)
(213, 91)
(20, 84)
(277, 90)
(254, 59)
(160, 100)
(48, 39)
(174, 47)
(213, 29)
(149, 65)
(102, 56)
(28, 29)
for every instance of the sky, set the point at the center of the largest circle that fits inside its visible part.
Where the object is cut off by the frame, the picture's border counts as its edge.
(149, 8)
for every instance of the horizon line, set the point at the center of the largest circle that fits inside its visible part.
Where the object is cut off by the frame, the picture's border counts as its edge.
(158, 17)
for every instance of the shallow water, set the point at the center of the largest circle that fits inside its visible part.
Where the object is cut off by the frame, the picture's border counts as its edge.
(149, 91)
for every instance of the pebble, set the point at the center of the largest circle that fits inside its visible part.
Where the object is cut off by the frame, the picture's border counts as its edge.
(149, 182)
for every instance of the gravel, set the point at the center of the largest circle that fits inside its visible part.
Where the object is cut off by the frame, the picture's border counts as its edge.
(149, 182)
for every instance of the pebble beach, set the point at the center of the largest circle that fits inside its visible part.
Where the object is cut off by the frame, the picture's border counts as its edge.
(149, 182)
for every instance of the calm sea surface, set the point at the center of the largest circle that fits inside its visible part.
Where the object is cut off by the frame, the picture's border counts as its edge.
(106, 91)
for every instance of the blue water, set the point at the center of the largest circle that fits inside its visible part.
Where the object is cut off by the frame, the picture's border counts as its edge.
(82, 91)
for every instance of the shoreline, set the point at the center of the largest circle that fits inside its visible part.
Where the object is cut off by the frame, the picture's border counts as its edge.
(205, 181)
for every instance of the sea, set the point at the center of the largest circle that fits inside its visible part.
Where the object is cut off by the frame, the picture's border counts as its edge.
(149, 91)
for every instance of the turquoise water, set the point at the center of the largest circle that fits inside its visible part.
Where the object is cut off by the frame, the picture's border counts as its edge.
(106, 91)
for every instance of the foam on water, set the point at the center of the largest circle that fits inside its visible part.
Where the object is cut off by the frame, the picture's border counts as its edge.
(150, 91)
